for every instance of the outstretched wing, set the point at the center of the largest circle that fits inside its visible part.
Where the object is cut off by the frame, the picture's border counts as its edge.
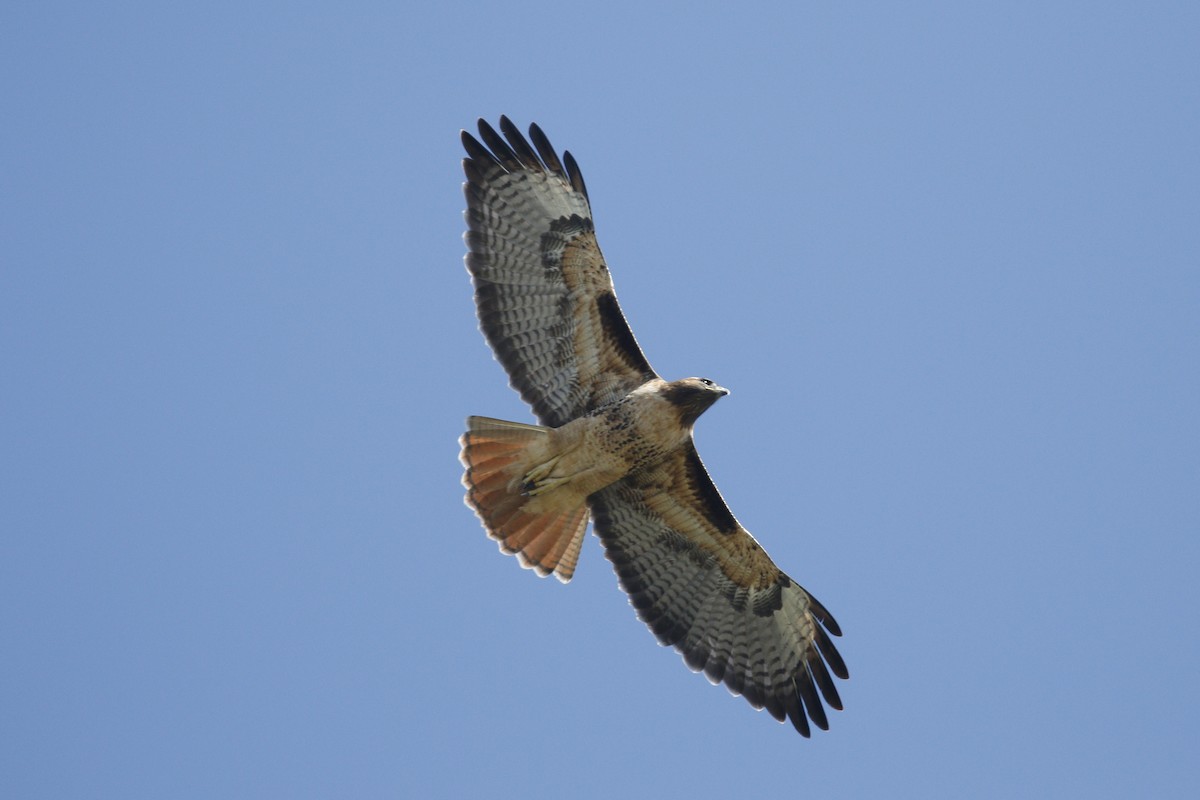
(542, 290)
(702, 584)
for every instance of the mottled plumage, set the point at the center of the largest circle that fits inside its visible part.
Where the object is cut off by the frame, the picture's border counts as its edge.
(615, 444)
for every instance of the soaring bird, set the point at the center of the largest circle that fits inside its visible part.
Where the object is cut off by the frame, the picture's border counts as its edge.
(614, 444)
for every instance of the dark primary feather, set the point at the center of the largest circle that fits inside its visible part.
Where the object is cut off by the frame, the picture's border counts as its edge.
(521, 147)
(547, 152)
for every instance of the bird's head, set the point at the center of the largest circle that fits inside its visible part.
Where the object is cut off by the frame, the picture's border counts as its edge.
(693, 396)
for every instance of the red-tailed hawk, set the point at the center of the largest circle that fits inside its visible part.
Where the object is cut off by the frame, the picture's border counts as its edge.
(615, 444)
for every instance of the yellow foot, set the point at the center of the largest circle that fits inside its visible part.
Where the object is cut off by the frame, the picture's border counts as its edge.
(539, 481)
(540, 471)
(534, 488)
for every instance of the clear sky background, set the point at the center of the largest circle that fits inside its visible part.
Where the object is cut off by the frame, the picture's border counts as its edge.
(946, 256)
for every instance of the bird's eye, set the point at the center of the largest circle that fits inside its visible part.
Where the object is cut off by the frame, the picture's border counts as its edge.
(707, 382)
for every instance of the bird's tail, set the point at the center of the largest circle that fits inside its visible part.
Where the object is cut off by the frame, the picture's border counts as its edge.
(498, 459)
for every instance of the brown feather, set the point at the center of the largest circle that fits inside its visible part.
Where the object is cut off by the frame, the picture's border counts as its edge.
(494, 454)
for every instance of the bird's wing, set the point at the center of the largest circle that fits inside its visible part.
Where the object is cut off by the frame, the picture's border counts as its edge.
(702, 584)
(542, 290)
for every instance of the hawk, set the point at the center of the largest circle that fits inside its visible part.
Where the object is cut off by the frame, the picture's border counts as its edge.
(615, 444)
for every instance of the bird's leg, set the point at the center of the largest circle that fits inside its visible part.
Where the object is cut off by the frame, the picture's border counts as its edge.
(540, 471)
(538, 479)
(542, 486)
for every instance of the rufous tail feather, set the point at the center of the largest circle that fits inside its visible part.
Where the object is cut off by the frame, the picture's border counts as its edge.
(495, 457)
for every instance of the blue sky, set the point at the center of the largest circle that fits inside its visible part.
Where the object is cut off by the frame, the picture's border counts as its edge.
(946, 256)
